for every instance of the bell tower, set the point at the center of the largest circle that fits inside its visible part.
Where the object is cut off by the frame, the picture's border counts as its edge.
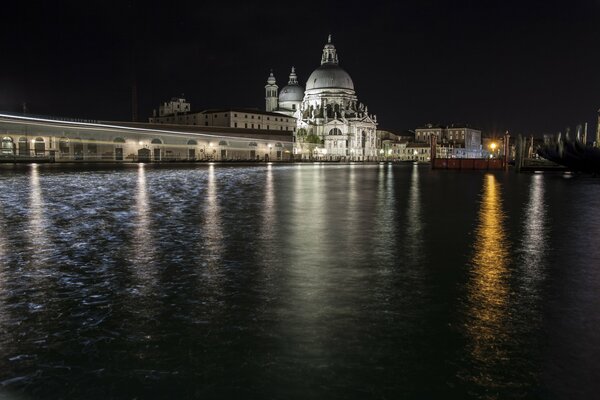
(271, 90)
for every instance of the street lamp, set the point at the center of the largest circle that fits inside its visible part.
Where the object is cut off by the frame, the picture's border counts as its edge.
(493, 147)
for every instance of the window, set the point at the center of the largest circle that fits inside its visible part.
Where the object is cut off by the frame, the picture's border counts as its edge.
(235, 124)
(252, 126)
(245, 125)
(252, 116)
(225, 115)
(235, 115)
(268, 119)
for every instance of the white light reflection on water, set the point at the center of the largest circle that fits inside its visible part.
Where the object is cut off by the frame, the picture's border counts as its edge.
(488, 291)
(212, 230)
(535, 233)
(40, 244)
(385, 225)
(414, 223)
(269, 218)
(307, 275)
(144, 246)
(3, 239)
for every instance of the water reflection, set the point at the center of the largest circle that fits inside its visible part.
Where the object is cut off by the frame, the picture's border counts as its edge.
(535, 233)
(144, 247)
(268, 223)
(385, 216)
(3, 239)
(487, 291)
(414, 223)
(212, 230)
(308, 274)
(40, 245)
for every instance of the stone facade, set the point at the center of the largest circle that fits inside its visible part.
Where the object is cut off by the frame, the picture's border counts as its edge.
(330, 122)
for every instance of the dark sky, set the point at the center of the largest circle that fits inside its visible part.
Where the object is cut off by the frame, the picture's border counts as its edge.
(529, 67)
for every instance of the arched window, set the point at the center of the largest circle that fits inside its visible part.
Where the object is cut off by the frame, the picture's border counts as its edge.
(92, 147)
(23, 146)
(78, 149)
(8, 145)
(278, 145)
(119, 140)
(192, 142)
(335, 131)
(223, 143)
(39, 146)
(156, 141)
(63, 145)
(253, 144)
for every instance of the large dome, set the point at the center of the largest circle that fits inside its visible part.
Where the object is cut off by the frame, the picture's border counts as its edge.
(291, 93)
(329, 76)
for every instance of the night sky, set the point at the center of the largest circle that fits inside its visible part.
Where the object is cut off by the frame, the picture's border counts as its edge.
(529, 67)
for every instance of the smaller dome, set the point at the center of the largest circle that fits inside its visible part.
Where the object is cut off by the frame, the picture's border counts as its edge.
(291, 93)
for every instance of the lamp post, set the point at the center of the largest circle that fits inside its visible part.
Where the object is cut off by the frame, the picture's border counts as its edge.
(493, 147)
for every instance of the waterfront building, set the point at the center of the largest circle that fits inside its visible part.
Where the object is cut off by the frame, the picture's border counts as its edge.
(417, 151)
(455, 135)
(243, 118)
(330, 122)
(423, 134)
(47, 139)
(461, 140)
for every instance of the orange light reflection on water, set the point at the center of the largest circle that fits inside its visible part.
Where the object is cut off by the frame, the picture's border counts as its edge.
(488, 289)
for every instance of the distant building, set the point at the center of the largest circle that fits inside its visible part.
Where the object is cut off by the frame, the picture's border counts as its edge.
(177, 105)
(462, 139)
(424, 134)
(231, 118)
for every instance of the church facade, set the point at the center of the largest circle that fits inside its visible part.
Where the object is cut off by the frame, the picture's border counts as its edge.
(331, 123)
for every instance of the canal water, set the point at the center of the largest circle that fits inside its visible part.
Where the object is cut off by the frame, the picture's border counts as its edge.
(297, 282)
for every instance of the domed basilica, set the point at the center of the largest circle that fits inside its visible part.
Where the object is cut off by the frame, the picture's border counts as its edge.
(331, 123)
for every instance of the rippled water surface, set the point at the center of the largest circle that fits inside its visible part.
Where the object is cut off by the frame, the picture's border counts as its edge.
(296, 282)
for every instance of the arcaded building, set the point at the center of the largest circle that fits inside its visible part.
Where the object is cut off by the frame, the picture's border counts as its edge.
(46, 139)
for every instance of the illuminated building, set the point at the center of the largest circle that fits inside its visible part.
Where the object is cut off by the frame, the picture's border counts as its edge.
(45, 139)
(331, 123)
